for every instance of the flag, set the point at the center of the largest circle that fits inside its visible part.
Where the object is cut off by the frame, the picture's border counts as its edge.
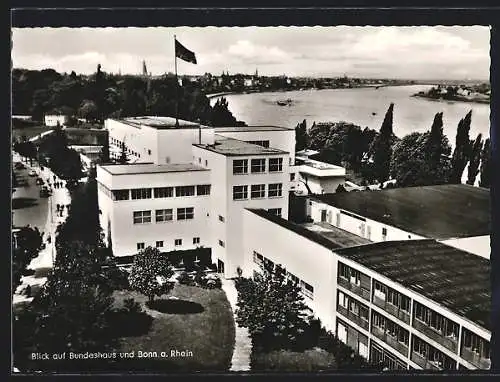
(183, 53)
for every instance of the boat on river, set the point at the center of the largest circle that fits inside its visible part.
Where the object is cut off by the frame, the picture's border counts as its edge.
(286, 102)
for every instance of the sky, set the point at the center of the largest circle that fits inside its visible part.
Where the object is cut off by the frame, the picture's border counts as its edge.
(457, 52)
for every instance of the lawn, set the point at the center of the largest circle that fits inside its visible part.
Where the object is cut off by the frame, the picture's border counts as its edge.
(207, 331)
(312, 360)
(29, 132)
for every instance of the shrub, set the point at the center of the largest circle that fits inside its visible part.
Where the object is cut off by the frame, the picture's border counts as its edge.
(312, 360)
(117, 278)
(200, 278)
(214, 283)
(185, 279)
(132, 306)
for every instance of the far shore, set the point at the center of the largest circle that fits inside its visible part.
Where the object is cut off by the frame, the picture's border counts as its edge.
(456, 99)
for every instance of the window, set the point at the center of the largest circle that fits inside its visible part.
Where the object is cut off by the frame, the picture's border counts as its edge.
(141, 217)
(140, 246)
(260, 143)
(275, 164)
(258, 258)
(307, 289)
(240, 166)
(344, 271)
(178, 242)
(221, 218)
(258, 191)
(164, 215)
(164, 192)
(199, 160)
(258, 165)
(121, 194)
(196, 240)
(203, 189)
(222, 244)
(184, 191)
(384, 231)
(275, 211)
(292, 177)
(240, 192)
(206, 163)
(275, 190)
(185, 213)
(167, 160)
(141, 193)
(159, 244)
(149, 152)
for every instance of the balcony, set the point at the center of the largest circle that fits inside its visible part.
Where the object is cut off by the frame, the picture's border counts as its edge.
(392, 309)
(448, 342)
(423, 362)
(364, 293)
(474, 358)
(351, 316)
(390, 340)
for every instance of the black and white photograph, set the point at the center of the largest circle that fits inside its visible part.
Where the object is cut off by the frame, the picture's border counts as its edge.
(251, 199)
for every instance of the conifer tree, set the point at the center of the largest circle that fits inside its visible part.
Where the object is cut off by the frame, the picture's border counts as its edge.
(462, 149)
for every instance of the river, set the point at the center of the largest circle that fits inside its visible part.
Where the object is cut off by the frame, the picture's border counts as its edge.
(362, 106)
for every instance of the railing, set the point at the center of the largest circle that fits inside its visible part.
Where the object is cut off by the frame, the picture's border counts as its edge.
(388, 339)
(353, 317)
(392, 309)
(476, 359)
(354, 288)
(423, 362)
(447, 342)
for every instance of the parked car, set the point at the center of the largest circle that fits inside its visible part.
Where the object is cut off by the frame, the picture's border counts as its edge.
(19, 166)
(44, 193)
(32, 173)
(39, 181)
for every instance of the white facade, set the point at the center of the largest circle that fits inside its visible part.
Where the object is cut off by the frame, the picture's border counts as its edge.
(117, 216)
(53, 120)
(478, 245)
(311, 262)
(358, 225)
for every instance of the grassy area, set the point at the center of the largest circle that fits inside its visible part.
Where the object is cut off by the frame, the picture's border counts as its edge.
(29, 132)
(312, 360)
(207, 332)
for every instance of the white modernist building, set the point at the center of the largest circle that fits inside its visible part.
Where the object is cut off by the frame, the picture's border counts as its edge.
(54, 120)
(411, 304)
(186, 185)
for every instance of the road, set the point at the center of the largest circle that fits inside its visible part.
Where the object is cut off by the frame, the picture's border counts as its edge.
(27, 205)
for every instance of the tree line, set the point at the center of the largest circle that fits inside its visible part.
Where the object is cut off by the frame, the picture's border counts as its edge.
(417, 159)
(103, 95)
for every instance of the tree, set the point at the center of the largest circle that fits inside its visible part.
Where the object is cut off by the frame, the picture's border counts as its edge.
(475, 159)
(485, 179)
(123, 155)
(408, 161)
(437, 151)
(462, 149)
(221, 115)
(272, 309)
(150, 273)
(28, 243)
(340, 188)
(88, 110)
(301, 136)
(382, 147)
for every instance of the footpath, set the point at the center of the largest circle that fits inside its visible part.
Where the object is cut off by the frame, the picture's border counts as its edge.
(243, 343)
(46, 256)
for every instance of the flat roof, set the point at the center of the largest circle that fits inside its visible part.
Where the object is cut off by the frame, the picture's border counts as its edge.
(234, 147)
(437, 212)
(333, 239)
(455, 279)
(316, 164)
(160, 123)
(150, 168)
(231, 129)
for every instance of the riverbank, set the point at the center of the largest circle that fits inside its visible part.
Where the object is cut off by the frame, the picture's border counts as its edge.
(454, 99)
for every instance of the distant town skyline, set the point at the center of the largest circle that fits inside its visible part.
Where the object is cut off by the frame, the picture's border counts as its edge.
(420, 53)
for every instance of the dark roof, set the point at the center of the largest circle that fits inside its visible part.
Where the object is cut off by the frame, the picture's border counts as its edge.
(334, 239)
(437, 212)
(455, 279)
(234, 147)
(150, 168)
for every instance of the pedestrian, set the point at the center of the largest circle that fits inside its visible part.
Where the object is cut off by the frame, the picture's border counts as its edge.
(48, 239)
(57, 207)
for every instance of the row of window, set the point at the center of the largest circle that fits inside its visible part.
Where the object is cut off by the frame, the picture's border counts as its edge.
(391, 296)
(258, 191)
(163, 215)
(430, 353)
(160, 243)
(260, 143)
(240, 166)
(438, 322)
(391, 328)
(353, 306)
(306, 289)
(121, 144)
(160, 192)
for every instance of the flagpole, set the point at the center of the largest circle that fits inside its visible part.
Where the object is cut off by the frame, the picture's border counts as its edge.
(176, 86)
